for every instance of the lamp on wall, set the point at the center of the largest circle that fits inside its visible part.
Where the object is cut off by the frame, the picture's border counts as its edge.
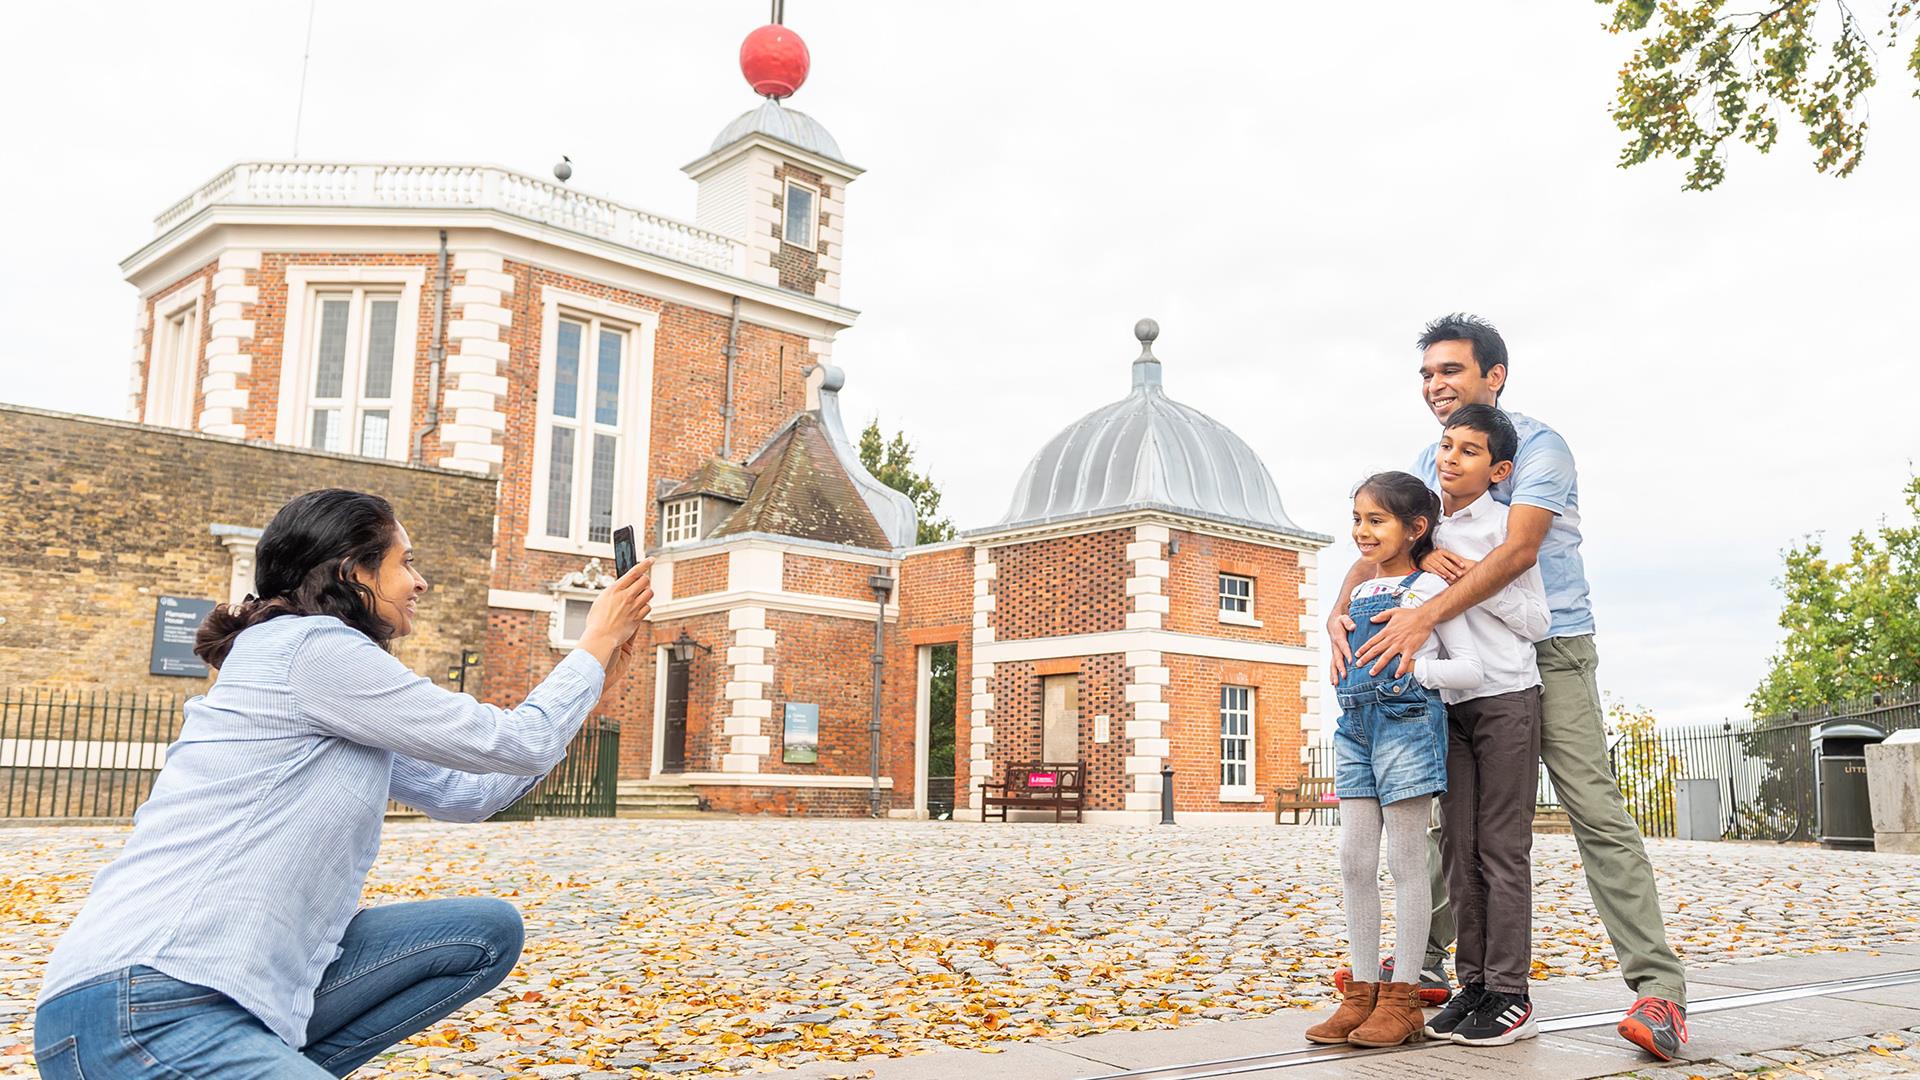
(681, 648)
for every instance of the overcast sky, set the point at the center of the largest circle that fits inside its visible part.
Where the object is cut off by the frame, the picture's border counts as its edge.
(1291, 189)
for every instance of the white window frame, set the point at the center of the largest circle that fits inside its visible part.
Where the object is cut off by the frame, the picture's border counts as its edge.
(172, 387)
(630, 483)
(812, 242)
(1248, 792)
(1231, 616)
(293, 422)
(688, 527)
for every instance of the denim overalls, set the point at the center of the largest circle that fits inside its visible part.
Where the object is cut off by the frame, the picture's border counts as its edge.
(1391, 741)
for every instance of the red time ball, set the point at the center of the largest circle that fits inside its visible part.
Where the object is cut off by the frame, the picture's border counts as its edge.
(774, 60)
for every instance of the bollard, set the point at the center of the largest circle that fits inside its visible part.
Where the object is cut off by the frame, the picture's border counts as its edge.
(1166, 794)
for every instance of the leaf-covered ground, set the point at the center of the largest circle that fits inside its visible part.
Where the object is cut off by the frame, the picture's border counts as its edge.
(735, 944)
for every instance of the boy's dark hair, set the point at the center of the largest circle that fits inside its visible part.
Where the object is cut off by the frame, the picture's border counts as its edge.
(1408, 498)
(1502, 440)
(1489, 348)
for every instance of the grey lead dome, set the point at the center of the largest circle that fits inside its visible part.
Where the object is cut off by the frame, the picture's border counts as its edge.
(790, 126)
(1148, 451)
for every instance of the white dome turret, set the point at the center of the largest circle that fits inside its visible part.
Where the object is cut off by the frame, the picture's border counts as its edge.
(1148, 451)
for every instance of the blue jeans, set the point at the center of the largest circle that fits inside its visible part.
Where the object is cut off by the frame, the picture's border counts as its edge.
(403, 968)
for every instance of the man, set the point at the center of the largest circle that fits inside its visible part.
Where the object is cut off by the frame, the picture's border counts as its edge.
(1464, 362)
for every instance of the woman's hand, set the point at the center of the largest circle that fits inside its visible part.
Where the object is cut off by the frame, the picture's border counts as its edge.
(618, 666)
(618, 613)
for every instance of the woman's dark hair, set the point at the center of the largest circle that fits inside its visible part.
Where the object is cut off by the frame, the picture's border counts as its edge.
(1406, 497)
(303, 565)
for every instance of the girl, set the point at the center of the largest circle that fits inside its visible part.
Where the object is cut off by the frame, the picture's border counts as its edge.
(1390, 753)
(224, 941)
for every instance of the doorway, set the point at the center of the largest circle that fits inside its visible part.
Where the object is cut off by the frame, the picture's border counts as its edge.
(1060, 719)
(939, 758)
(673, 734)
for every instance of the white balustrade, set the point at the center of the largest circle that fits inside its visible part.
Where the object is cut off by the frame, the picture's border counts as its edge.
(303, 183)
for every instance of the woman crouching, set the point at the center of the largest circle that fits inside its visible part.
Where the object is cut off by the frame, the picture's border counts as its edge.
(226, 939)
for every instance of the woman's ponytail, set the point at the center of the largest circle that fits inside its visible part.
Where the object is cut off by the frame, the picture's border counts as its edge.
(304, 565)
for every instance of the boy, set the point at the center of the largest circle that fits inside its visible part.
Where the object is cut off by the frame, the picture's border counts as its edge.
(1493, 750)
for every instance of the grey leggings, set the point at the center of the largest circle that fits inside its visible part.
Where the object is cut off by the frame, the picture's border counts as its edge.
(1405, 824)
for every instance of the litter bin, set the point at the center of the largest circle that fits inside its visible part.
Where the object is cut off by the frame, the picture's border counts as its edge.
(1844, 816)
(1696, 810)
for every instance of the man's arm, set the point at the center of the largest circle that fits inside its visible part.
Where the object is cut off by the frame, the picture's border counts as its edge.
(1407, 628)
(1338, 625)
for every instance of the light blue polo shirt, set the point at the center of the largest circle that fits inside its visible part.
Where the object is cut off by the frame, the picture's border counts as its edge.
(1543, 476)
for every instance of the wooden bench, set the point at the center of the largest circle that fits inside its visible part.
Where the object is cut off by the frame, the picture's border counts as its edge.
(1034, 787)
(1308, 795)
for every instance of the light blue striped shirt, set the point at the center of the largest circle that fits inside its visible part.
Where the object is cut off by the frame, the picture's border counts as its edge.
(247, 862)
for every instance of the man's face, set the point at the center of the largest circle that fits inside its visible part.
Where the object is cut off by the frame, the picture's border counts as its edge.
(1450, 377)
(1466, 465)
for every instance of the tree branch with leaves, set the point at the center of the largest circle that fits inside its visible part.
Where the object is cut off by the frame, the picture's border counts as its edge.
(891, 463)
(1703, 77)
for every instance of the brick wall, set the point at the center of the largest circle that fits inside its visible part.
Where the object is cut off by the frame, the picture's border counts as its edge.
(826, 577)
(1194, 728)
(1193, 588)
(824, 660)
(1017, 715)
(706, 574)
(936, 608)
(99, 518)
(195, 282)
(1067, 585)
(790, 802)
(797, 267)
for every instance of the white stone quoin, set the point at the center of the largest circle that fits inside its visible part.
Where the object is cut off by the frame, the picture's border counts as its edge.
(230, 336)
(746, 690)
(1147, 676)
(473, 395)
(980, 764)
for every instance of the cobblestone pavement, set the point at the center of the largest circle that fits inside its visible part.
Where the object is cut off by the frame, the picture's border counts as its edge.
(1892, 1053)
(737, 944)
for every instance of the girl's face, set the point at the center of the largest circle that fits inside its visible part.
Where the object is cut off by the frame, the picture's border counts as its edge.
(1380, 536)
(396, 585)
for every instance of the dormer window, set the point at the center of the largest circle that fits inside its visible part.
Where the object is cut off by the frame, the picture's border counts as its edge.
(680, 521)
(800, 203)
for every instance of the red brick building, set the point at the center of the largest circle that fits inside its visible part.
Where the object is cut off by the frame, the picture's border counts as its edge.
(608, 365)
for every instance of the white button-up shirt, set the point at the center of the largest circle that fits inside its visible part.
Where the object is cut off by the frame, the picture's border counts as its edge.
(246, 864)
(1505, 625)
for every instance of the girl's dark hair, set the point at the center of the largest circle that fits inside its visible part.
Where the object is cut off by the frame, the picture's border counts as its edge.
(303, 565)
(1406, 497)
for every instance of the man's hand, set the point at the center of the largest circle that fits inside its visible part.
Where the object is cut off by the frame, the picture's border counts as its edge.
(1338, 627)
(1446, 565)
(1405, 631)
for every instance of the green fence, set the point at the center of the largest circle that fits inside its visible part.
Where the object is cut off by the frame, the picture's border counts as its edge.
(586, 784)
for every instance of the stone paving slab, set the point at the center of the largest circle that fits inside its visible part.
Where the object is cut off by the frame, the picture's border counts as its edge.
(734, 945)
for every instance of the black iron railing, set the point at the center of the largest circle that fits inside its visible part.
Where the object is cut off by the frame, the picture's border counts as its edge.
(586, 784)
(81, 754)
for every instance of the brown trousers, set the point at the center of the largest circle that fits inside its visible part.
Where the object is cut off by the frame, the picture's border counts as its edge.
(1486, 844)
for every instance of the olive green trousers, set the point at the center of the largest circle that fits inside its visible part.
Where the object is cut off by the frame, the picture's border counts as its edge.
(1573, 747)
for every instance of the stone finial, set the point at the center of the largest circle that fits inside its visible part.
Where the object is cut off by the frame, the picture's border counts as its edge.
(1146, 369)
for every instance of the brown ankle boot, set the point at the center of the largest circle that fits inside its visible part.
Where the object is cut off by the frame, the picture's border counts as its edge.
(1354, 1008)
(1396, 1018)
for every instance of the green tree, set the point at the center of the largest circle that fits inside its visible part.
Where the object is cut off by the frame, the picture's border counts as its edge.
(1852, 622)
(1644, 767)
(1701, 76)
(892, 464)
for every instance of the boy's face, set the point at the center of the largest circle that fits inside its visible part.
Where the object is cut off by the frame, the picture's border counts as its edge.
(1466, 465)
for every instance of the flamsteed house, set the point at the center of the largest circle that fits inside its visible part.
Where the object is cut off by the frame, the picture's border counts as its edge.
(1144, 602)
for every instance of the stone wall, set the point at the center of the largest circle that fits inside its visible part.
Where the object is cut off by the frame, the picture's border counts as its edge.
(99, 518)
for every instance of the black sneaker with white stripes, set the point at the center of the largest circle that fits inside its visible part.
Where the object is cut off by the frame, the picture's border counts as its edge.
(1444, 1023)
(1499, 1019)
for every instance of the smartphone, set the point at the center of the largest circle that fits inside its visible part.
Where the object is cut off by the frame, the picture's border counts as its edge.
(624, 555)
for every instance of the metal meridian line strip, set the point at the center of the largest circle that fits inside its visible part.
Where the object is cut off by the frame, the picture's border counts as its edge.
(1309, 1055)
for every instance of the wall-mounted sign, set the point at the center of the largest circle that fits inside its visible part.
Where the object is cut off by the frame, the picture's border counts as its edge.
(800, 740)
(176, 619)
